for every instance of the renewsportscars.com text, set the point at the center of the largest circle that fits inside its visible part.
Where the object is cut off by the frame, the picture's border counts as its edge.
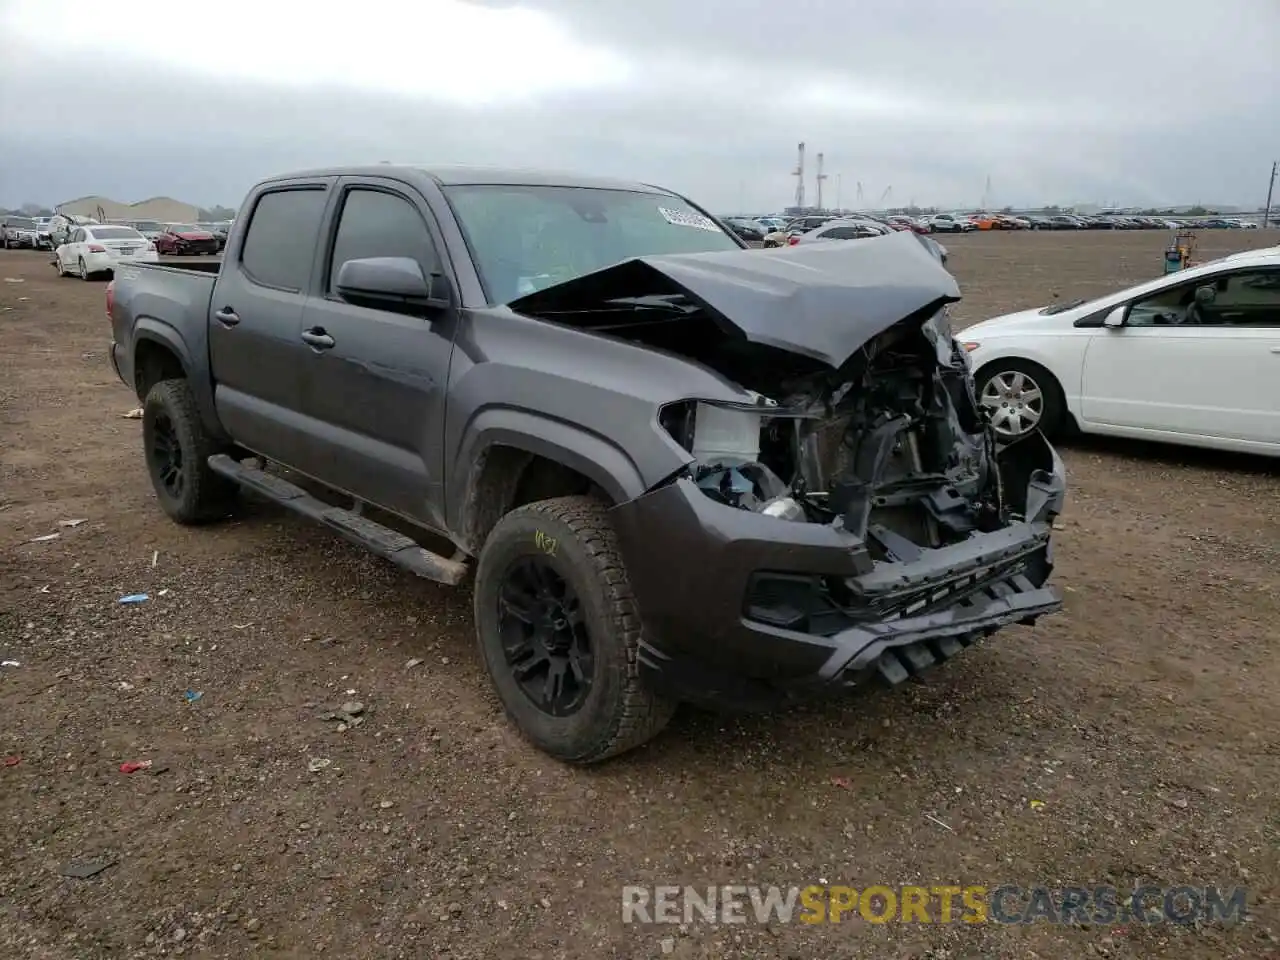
(974, 903)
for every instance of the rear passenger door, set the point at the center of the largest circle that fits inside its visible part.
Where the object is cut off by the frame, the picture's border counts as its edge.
(375, 397)
(255, 325)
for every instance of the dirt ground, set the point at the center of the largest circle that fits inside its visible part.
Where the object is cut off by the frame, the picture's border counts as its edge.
(1143, 721)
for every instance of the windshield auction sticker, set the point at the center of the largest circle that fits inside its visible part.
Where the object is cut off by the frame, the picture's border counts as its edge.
(683, 218)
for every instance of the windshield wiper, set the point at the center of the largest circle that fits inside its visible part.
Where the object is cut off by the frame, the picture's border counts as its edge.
(1053, 308)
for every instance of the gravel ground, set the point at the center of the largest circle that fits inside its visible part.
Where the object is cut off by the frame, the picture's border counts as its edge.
(1142, 721)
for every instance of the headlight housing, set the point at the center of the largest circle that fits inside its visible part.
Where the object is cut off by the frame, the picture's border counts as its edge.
(717, 431)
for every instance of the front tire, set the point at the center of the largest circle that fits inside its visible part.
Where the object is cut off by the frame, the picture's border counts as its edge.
(559, 630)
(177, 450)
(1020, 396)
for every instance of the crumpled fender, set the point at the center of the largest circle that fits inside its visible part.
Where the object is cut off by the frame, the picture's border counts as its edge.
(1033, 478)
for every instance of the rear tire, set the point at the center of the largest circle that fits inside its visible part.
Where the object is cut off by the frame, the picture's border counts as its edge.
(84, 271)
(567, 541)
(177, 450)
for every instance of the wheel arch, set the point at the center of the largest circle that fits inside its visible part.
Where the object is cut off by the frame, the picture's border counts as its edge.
(156, 357)
(513, 457)
(161, 353)
(1050, 379)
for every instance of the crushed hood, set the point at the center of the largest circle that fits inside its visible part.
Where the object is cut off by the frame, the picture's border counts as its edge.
(821, 300)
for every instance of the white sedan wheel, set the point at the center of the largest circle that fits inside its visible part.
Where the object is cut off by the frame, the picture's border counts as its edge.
(1015, 403)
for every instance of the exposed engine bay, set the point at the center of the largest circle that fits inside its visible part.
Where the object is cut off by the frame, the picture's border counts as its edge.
(891, 447)
(870, 422)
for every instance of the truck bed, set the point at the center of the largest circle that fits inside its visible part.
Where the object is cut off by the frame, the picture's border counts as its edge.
(152, 298)
(203, 265)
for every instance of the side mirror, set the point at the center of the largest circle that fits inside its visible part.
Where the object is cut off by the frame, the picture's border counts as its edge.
(1206, 295)
(1115, 319)
(391, 281)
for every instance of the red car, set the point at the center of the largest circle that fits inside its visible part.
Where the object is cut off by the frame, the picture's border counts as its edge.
(902, 222)
(181, 238)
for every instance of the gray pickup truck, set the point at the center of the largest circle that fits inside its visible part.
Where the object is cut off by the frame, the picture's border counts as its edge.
(676, 469)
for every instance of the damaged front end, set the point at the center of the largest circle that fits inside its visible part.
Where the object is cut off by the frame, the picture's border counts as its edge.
(856, 523)
(892, 448)
(863, 525)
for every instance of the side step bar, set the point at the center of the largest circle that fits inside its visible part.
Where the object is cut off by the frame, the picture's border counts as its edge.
(383, 541)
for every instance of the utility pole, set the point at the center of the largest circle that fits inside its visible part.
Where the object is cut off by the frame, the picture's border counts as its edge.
(1271, 185)
(821, 177)
(798, 173)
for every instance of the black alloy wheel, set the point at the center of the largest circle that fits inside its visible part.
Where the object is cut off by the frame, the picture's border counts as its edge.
(177, 450)
(560, 632)
(544, 636)
(166, 456)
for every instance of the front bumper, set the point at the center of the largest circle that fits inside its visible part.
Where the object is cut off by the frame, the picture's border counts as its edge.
(729, 598)
(194, 248)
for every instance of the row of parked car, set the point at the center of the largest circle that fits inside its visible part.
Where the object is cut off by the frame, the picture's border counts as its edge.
(841, 228)
(760, 228)
(174, 239)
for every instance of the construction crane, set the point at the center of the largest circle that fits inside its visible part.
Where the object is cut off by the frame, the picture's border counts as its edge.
(884, 196)
(798, 173)
(821, 176)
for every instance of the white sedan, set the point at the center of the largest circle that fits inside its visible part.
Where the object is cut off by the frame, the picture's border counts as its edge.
(98, 248)
(1191, 358)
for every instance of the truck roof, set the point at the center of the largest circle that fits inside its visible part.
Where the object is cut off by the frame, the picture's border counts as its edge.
(478, 175)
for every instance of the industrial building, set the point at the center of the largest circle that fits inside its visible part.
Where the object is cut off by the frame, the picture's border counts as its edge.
(162, 209)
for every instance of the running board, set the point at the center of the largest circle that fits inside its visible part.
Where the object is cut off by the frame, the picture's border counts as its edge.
(376, 538)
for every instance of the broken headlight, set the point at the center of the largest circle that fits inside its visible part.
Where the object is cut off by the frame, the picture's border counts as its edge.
(732, 445)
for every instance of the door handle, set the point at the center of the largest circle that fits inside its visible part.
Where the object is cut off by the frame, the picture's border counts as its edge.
(1275, 349)
(317, 339)
(227, 317)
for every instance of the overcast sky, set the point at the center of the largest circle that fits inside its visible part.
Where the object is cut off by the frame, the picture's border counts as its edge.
(1056, 101)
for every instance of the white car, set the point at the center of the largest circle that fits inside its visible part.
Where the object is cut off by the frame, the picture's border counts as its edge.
(1191, 358)
(42, 233)
(98, 248)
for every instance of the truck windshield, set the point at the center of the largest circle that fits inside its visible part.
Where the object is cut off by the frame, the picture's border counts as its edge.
(525, 238)
(21, 223)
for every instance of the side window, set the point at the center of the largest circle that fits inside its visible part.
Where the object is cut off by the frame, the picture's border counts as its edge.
(78, 237)
(1249, 298)
(377, 224)
(843, 233)
(1165, 308)
(281, 239)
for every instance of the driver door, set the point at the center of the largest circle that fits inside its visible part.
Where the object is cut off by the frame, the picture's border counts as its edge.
(374, 394)
(1208, 369)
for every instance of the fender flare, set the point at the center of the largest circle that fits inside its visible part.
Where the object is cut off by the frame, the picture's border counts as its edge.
(157, 331)
(168, 336)
(597, 458)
